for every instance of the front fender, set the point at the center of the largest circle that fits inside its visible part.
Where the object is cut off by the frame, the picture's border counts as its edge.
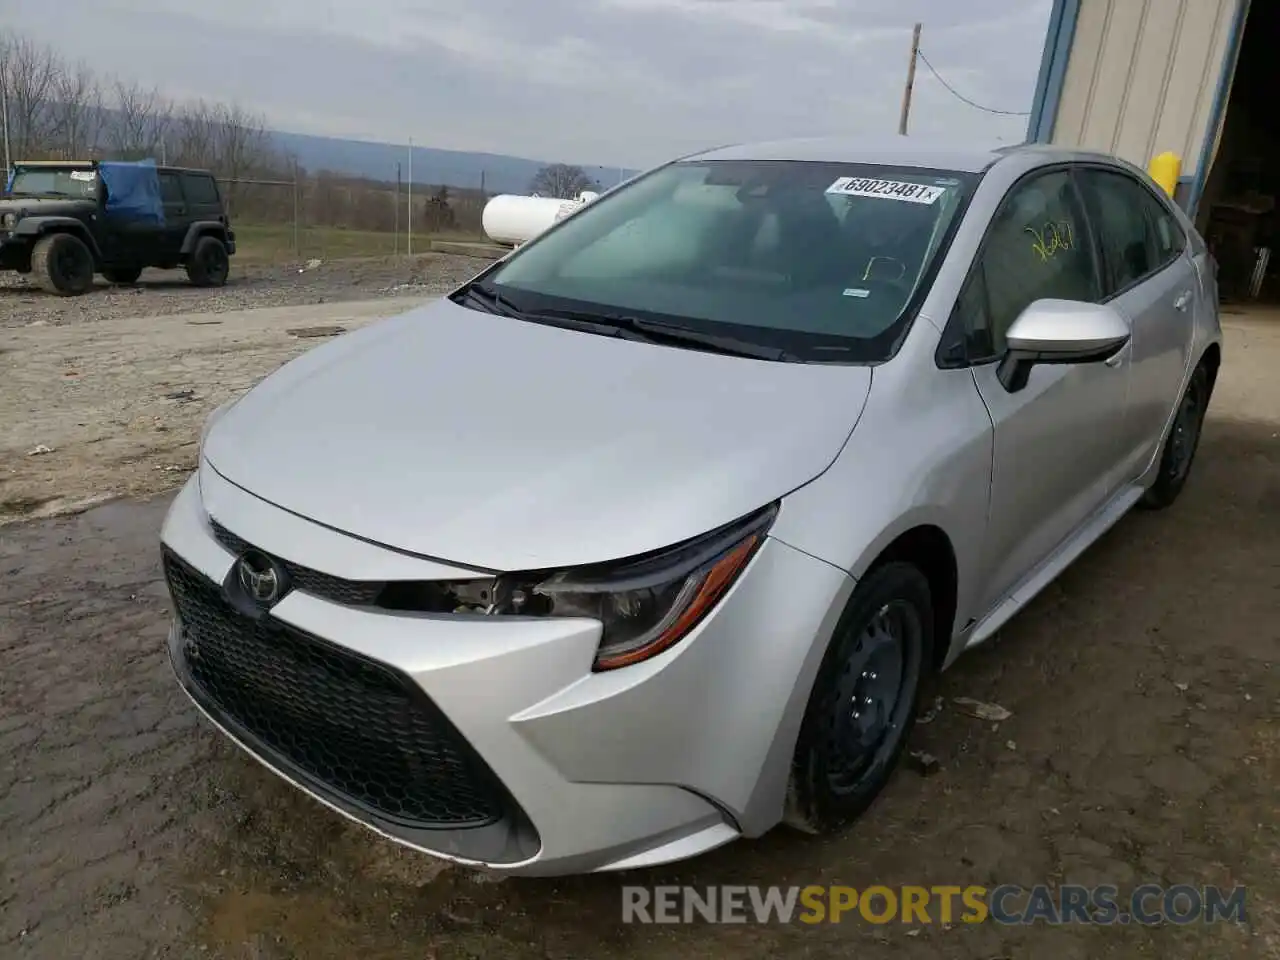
(39, 226)
(919, 456)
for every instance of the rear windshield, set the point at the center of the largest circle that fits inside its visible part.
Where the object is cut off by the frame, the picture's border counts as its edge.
(821, 259)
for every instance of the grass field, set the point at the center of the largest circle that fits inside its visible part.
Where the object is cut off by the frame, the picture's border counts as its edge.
(274, 243)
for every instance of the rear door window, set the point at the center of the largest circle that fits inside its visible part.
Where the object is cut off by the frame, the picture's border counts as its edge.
(200, 188)
(1136, 234)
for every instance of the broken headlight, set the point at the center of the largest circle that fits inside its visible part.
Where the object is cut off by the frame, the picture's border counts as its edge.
(647, 604)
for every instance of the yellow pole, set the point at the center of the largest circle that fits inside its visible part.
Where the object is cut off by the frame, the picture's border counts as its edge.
(1165, 170)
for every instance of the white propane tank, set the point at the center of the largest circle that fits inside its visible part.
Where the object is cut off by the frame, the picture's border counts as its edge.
(511, 220)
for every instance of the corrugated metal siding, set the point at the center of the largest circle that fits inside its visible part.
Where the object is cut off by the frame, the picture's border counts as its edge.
(1142, 75)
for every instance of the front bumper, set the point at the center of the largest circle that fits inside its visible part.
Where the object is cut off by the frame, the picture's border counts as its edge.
(489, 741)
(15, 253)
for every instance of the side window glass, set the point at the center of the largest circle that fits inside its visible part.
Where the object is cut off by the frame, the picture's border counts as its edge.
(1170, 241)
(170, 188)
(1119, 208)
(1036, 248)
(200, 189)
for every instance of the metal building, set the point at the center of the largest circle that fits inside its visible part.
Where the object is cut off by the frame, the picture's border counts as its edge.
(1138, 78)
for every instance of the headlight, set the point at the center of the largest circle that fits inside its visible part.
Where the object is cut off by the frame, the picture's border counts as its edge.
(645, 605)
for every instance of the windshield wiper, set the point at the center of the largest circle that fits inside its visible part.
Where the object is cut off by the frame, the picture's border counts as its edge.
(656, 331)
(492, 301)
(628, 327)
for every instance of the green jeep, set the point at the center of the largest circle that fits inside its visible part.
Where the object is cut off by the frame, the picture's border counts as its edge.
(64, 221)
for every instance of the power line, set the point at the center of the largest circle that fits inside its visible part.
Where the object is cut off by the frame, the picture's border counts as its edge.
(960, 96)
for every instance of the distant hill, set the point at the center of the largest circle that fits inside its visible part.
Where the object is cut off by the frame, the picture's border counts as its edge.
(454, 168)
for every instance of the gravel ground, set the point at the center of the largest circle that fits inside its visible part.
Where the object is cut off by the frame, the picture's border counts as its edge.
(1143, 747)
(167, 292)
(103, 395)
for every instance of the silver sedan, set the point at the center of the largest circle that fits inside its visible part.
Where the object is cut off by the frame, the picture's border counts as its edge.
(645, 539)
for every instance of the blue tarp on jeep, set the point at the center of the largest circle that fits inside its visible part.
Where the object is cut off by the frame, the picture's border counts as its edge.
(133, 191)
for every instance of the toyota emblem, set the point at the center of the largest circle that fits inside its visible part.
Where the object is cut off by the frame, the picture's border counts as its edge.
(259, 577)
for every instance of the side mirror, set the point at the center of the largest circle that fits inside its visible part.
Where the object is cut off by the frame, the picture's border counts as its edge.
(1060, 331)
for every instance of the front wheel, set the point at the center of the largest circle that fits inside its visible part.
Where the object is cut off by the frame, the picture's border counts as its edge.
(208, 264)
(62, 264)
(863, 704)
(1180, 446)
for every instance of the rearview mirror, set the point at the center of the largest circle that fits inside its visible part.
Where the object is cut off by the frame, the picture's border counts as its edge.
(1060, 331)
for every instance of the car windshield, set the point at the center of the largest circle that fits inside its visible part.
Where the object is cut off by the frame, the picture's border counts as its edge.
(819, 260)
(54, 181)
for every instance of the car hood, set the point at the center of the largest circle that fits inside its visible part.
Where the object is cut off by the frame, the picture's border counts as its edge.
(497, 443)
(43, 206)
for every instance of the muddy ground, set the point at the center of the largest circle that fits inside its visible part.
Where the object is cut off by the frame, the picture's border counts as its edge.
(162, 293)
(114, 407)
(1144, 746)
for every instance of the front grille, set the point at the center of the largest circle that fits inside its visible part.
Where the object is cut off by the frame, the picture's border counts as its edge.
(354, 727)
(350, 593)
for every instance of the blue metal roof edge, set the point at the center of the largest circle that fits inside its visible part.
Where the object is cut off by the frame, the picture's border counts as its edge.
(1053, 69)
(1220, 97)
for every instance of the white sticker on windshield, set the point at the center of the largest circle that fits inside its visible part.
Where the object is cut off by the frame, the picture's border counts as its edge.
(82, 175)
(857, 292)
(889, 189)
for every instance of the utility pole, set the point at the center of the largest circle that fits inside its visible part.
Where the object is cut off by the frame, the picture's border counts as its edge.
(4, 110)
(397, 241)
(410, 238)
(911, 80)
(297, 243)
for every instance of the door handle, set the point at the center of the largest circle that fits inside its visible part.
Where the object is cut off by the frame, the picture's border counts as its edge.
(1183, 301)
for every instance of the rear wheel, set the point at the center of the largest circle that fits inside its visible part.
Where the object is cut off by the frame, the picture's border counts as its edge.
(123, 275)
(1180, 446)
(863, 704)
(62, 264)
(208, 263)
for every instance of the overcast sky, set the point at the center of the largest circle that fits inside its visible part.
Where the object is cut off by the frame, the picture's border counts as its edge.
(625, 82)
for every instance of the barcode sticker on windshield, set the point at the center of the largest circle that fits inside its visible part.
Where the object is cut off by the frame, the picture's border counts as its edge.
(82, 175)
(889, 189)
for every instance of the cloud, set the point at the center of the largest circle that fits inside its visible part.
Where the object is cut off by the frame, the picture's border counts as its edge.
(617, 82)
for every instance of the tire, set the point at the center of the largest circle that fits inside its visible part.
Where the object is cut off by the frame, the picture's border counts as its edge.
(62, 264)
(1179, 451)
(877, 660)
(123, 275)
(208, 263)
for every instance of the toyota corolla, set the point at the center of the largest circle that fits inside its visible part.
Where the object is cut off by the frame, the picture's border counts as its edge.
(645, 539)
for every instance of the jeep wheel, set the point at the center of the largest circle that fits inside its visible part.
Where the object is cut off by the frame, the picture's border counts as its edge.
(62, 264)
(122, 275)
(208, 264)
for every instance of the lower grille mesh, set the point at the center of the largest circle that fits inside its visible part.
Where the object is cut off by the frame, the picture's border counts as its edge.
(358, 728)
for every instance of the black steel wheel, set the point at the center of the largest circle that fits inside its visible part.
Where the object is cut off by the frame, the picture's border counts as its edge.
(864, 700)
(62, 264)
(1181, 444)
(208, 264)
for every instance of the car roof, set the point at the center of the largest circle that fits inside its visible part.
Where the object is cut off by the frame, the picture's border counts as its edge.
(93, 163)
(938, 154)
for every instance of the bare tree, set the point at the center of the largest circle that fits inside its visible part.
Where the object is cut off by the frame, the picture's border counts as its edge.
(29, 72)
(560, 180)
(133, 121)
(76, 111)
